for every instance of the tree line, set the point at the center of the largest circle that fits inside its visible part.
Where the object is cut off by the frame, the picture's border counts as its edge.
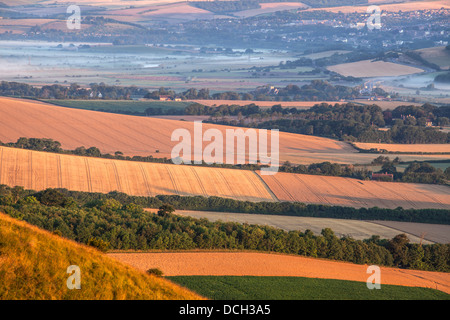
(109, 223)
(72, 91)
(66, 198)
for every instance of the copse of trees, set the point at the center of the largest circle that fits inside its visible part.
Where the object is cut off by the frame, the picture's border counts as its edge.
(347, 121)
(17, 195)
(70, 91)
(111, 224)
(444, 77)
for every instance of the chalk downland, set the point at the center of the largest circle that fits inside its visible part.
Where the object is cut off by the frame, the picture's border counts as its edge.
(33, 265)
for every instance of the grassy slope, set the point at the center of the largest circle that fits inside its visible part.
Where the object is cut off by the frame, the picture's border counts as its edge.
(287, 288)
(33, 265)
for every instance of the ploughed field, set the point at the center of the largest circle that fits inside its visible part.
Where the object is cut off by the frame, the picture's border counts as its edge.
(40, 170)
(265, 264)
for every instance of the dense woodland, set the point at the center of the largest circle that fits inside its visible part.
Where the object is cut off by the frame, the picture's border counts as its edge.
(109, 223)
(347, 121)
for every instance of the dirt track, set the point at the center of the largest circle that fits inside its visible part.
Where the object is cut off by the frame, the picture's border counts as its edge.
(263, 264)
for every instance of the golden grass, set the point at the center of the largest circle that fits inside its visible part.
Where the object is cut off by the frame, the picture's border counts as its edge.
(426, 148)
(41, 170)
(264, 264)
(367, 68)
(338, 191)
(33, 265)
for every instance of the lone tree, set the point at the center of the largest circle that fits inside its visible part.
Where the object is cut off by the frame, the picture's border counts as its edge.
(165, 210)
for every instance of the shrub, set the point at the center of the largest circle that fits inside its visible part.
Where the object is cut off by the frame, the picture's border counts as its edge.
(155, 271)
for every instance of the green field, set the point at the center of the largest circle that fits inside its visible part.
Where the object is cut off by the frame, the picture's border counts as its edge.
(298, 288)
(120, 106)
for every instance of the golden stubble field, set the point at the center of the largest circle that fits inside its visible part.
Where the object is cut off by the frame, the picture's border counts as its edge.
(41, 170)
(144, 136)
(339, 191)
(265, 264)
(133, 135)
(368, 69)
(426, 148)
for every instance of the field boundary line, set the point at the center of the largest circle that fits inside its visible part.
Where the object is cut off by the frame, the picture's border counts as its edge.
(400, 230)
(266, 186)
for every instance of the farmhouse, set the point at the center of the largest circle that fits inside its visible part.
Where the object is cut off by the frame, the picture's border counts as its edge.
(382, 176)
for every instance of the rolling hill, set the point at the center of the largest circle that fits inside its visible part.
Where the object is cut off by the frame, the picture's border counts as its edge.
(41, 170)
(339, 191)
(33, 265)
(133, 135)
(144, 136)
(265, 264)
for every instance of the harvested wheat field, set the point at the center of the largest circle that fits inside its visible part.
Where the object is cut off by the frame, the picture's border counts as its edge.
(270, 8)
(338, 191)
(41, 170)
(356, 229)
(264, 264)
(132, 135)
(369, 69)
(387, 104)
(413, 148)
